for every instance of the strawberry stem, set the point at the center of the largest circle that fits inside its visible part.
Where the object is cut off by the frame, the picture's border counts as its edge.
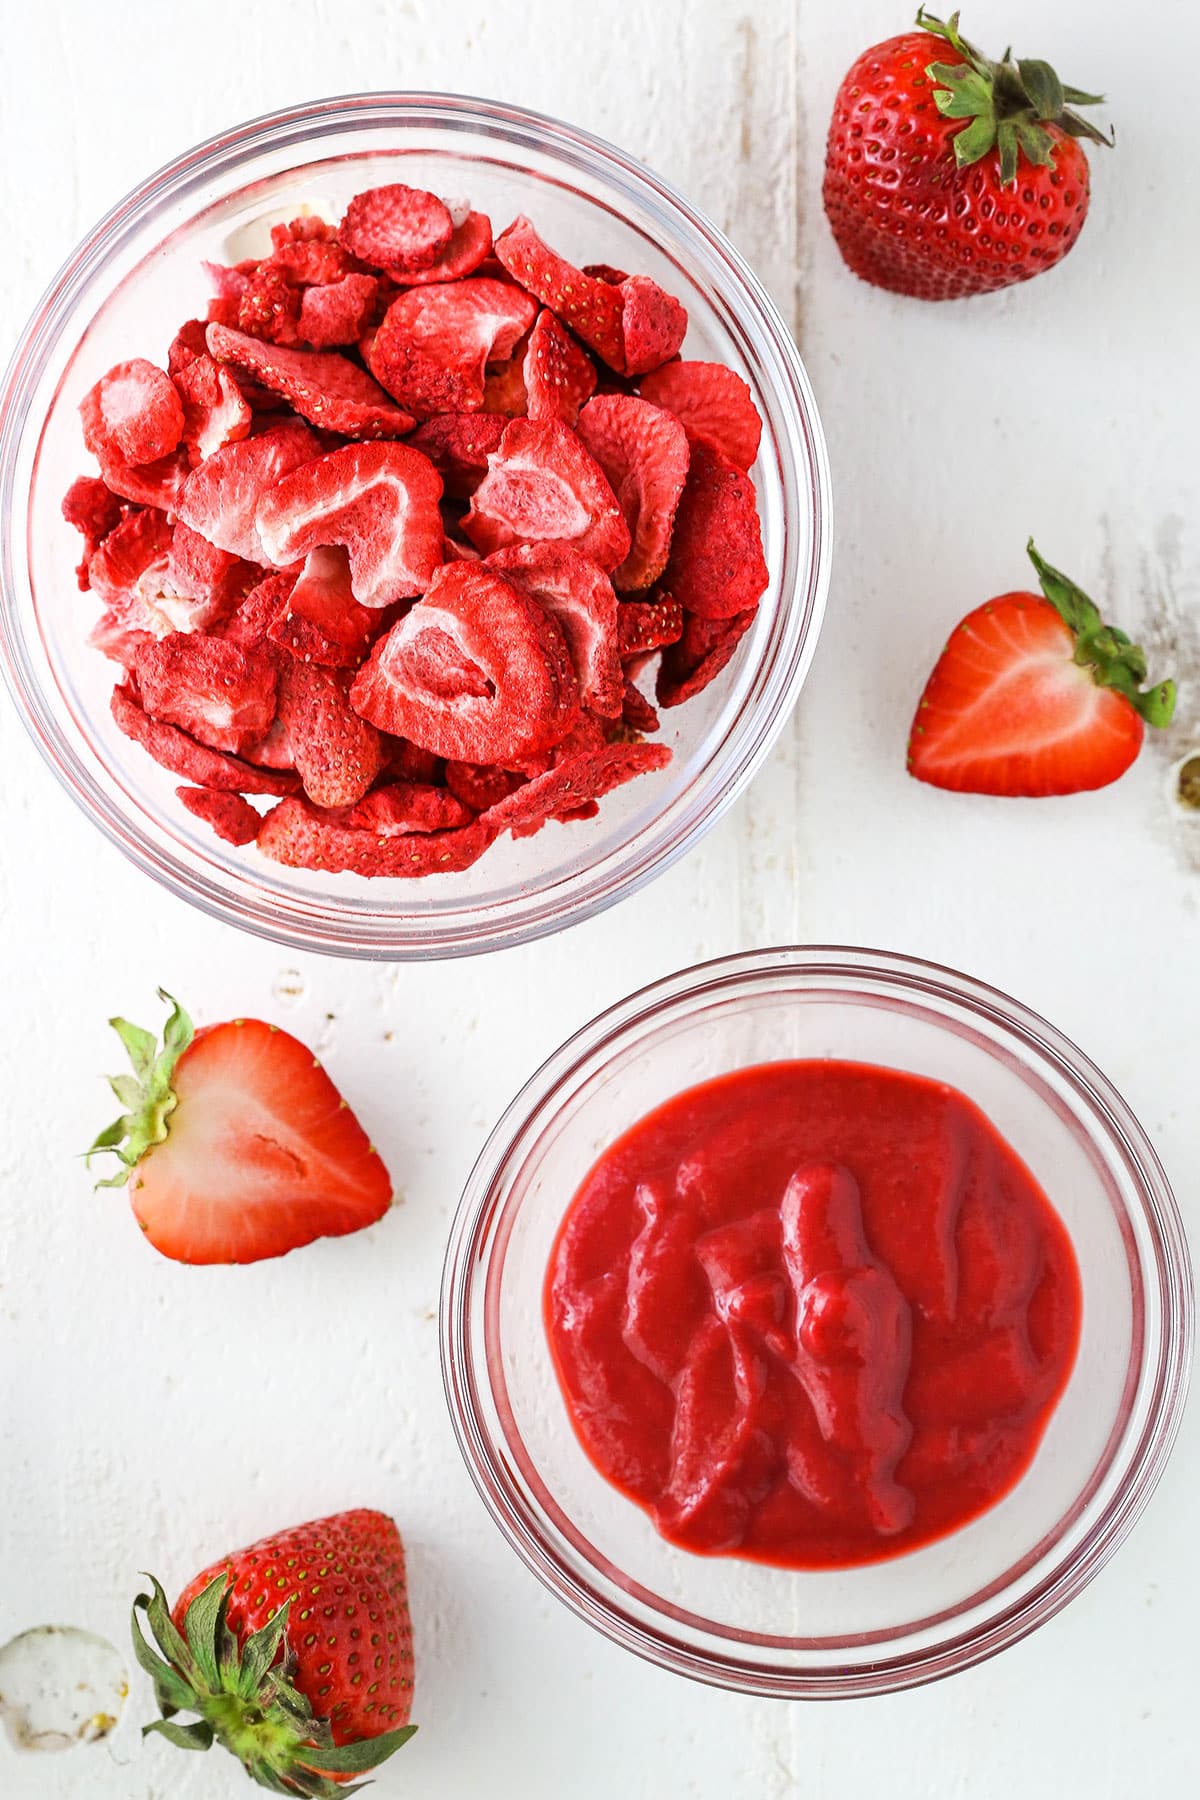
(1012, 107)
(1111, 659)
(147, 1095)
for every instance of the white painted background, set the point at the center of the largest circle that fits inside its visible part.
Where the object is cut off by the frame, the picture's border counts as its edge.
(151, 1416)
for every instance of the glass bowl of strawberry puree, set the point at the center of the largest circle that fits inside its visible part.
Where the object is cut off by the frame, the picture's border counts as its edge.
(901, 1619)
(125, 291)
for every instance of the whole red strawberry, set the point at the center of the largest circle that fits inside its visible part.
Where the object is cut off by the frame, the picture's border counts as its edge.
(295, 1654)
(947, 174)
(1034, 694)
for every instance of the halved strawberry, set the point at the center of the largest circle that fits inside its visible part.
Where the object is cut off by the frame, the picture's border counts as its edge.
(716, 566)
(476, 671)
(471, 242)
(558, 375)
(335, 752)
(232, 818)
(591, 308)
(396, 227)
(380, 501)
(712, 402)
(326, 389)
(653, 324)
(644, 453)
(220, 497)
(433, 346)
(302, 837)
(580, 596)
(542, 484)
(322, 622)
(236, 1145)
(218, 693)
(1035, 696)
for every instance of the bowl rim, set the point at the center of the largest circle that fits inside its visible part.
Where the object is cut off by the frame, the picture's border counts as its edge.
(466, 1268)
(356, 929)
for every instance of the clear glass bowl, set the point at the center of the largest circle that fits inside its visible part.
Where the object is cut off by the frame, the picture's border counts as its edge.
(823, 1634)
(124, 292)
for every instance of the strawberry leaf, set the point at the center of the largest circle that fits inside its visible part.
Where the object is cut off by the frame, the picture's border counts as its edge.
(1108, 655)
(147, 1095)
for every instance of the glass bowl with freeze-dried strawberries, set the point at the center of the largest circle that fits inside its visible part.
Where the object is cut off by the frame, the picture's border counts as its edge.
(416, 525)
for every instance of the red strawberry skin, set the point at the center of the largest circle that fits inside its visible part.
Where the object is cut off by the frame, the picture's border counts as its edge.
(906, 217)
(1008, 711)
(262, 1153)
(349, 1628)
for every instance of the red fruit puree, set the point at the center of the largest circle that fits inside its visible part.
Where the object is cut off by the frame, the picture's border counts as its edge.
(812, 1313)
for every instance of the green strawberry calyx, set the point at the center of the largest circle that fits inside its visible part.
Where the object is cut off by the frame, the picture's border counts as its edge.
(1011, 105)
(245, 1697)
(147, 1095)
(1107, 654)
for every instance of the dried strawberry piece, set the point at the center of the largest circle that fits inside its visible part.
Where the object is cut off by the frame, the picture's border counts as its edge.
(504, 386)
(636, 710)
(409, 762)
(591, 308)
(212, 580)
(140, 412)
(458, 551)
(408, 806)
(219, 497)
(644, 453)
(231, 817)
(698, 658)
(647, 625)
(716, 566)
(542, 484)
(477, 671)
(223, 312)
(250, 626)
(469, 245)
(458, 445)
(380, 501)
(188, 343)
(215, 411)
(120, 633)
(325, 388)
(91, 509)
(713, 404)
(337, 312)
(480, 785)
(573, 782)
(218, 693)
(146, 484)
(300, 837)
(434, 343)
(176, 751)
(309, 228)
(311, 262)
(230, 283)
(136, 552)
(335, 752)
(269, 309)
(558, 375)
(653, 324)
(580, 596)
(396, 227)
(322, 622)
(606, 272)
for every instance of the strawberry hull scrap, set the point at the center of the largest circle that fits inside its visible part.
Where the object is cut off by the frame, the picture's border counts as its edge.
(383, 551)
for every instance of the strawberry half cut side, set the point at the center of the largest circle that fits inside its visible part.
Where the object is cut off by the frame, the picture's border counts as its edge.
(1035, 696)
(235, 1144)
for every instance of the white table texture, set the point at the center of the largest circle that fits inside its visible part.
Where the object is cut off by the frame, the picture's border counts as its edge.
(152, 1415)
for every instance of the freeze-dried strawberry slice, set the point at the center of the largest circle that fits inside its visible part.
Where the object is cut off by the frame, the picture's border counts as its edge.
(580, 596)
(337, 312)
(176, 751)
(636, 710)
(326, 389)
(698, 658)
(322, 621)
(146, 484)
(91, 509)
(218, 693)
(231, 817)
(433, 346)
(716, 567)
(189, 342)
(574, 782)
(408, 806)
(140, 412)
(409, 762)
(250, 626)
(303, 838)
(542, 484)
(480, 785)
(215, 411)
(380, 501)
(476, 671)
(336, 754)
(647, 625)
(268, 309)
(712, 402)
(591, 308)
(458, 445)
(471, 242)
(396, 227)
(644, 453)
(311, 262)
(653, 324)
(219, 498)
(504, 386)
(558, 375)
(138, 548)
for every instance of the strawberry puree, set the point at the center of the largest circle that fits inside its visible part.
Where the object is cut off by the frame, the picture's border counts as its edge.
(812, 1313)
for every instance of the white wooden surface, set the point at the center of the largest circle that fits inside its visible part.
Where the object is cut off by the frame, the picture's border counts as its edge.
(153, 1415)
